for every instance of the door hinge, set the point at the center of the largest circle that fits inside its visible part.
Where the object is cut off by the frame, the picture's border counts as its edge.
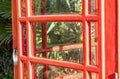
(15, 56)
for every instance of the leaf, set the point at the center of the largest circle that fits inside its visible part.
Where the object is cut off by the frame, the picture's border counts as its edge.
(52, 25)
(5, 34)
(68, 3)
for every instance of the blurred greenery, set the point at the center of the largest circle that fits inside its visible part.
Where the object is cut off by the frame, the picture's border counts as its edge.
(59, 6)
(6, 66)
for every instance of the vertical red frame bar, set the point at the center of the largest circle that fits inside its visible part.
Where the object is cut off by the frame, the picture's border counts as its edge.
(17, 37)
(20, 49)
(101, 43)
(14, 33)
(30, 50)
(111, 50)
(118, 14)
(44, 38)
(86, 37)
(30, 40)
(84, 3)
(32, 12)
(86, 44)
(44, 46)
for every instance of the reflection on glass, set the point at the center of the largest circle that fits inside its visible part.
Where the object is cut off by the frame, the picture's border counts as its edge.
(93, 29)
(63, 33)
(57, 6)
(24, 42)
(75, 55)
(93, 7)
(57, 72)
(38, 33)
(25, 71)
(37, 6)
(93, 56)
(59, 33)
(93, 75)
(93, 32)
(23, 7)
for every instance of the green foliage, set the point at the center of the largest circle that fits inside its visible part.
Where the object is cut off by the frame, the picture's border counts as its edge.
(5, 9)
(59, 6)
(5, 22)
(63, 6)
(5, 34)
(65, 33)
(6, 70)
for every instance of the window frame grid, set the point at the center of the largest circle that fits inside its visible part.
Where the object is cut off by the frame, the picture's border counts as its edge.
(85, 17)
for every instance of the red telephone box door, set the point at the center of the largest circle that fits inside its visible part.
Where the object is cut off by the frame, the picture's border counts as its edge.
(60, 39)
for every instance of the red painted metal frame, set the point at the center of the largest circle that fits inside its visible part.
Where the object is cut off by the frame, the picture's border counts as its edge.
(30, 35)
(14, 33)
(118, 27)
(111, 49)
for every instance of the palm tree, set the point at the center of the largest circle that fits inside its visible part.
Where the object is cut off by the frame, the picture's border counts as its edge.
(5, 22)
(5, 40)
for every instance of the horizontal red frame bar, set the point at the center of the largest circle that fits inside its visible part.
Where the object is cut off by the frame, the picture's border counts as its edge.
(52, 62)
(60, 48)
(92, 68)
(64, 47)
(55, 18)
(59, 63)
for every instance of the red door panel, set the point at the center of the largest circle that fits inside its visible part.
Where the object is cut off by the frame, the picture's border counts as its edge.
(61, 43)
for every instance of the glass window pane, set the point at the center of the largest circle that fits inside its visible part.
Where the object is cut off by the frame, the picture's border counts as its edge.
(38, 34)
(23, 7)
(94, 36)
(59, 33)
(62, 33)
(55, 72)
(24, 42)
(94, 32)
(57, 7)
(92, 6)
(25, 69)
(74, 55)
(93, 56)
(93, 75)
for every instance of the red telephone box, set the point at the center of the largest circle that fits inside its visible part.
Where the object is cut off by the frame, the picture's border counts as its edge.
(65, 39)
